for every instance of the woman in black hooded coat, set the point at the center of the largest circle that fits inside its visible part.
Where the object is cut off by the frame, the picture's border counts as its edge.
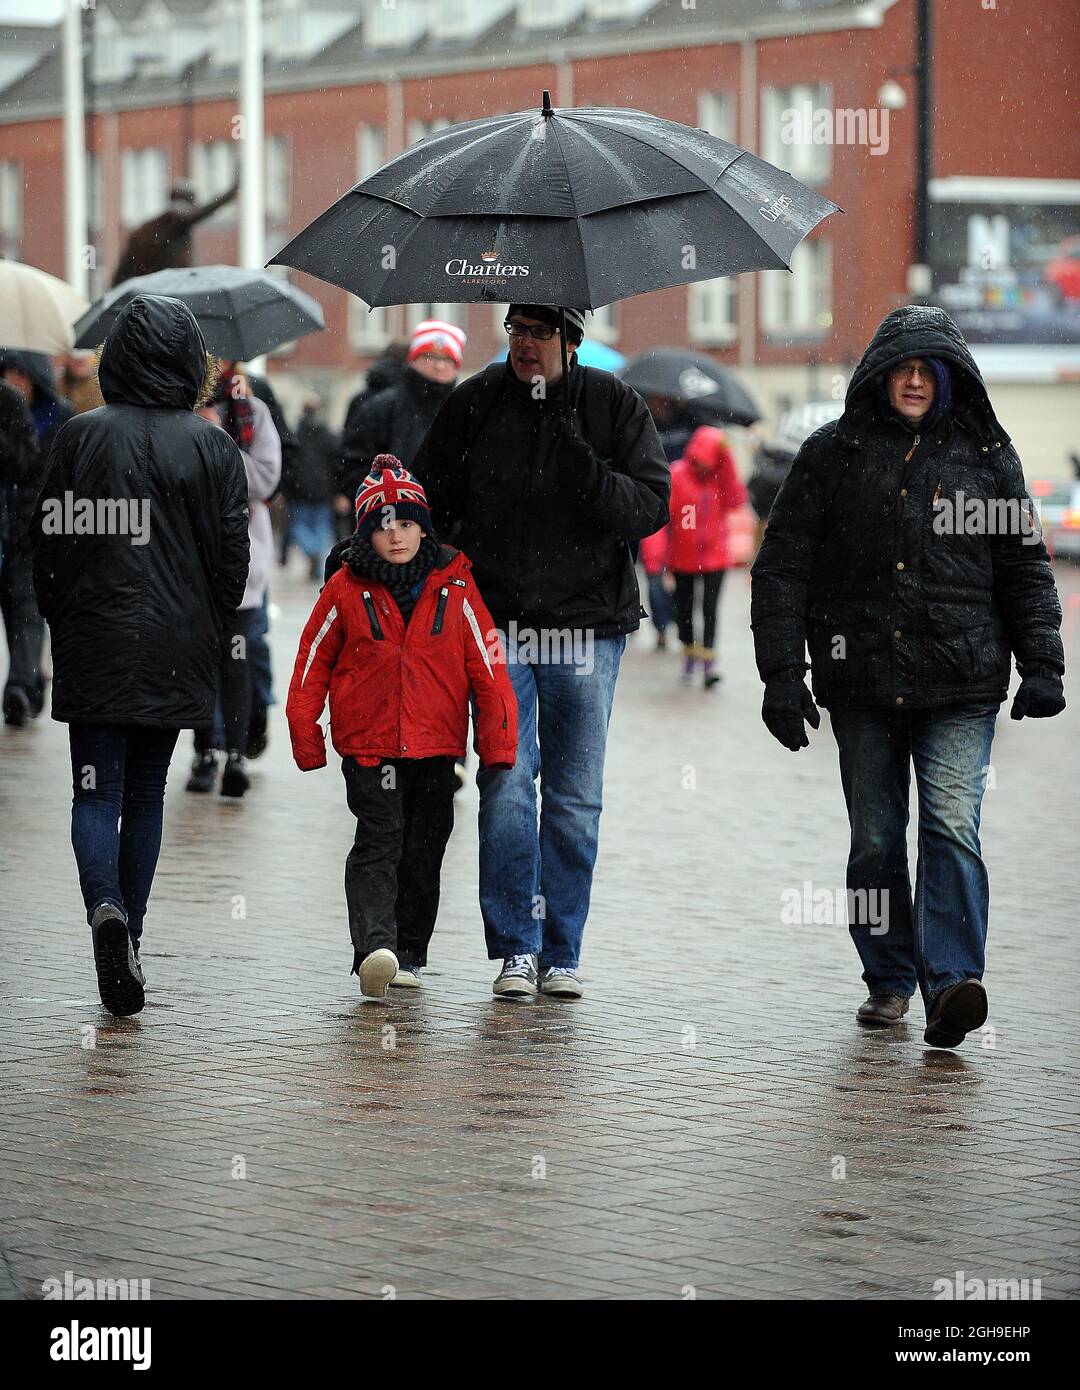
(140, 555)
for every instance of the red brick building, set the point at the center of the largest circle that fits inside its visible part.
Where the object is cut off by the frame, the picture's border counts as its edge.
(348, 85)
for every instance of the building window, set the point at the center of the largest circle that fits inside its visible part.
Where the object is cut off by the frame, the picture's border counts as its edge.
(213, 172)
(449, 313)
(278, 164)
(787, 130)
(716, 114)
(370, 150)
(602, 325)
(420, 130)
(712, 316)
(619, 9)
(145, 184)
(367, 327)
(799, 304)
(11, 209)
(394, 25)
(548, 14)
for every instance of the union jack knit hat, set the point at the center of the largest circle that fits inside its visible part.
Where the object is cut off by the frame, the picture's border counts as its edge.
(433, 335)
(390, 493)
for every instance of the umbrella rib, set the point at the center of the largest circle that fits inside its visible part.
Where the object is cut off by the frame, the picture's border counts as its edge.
(664, 154)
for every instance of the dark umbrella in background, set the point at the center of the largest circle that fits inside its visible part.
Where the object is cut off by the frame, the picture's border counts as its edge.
(242, 313)
(693, 379)
(576, 207)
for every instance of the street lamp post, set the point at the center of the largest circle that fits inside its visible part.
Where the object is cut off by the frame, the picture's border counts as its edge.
(252, 168)
(76, 268)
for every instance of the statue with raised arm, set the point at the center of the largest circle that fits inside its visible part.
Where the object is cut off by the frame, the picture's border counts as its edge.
(164, 242)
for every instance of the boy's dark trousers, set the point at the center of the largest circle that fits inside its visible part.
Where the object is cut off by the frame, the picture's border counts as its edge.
(404, 811)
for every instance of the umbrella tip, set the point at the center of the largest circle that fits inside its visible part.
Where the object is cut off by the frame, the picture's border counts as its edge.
(548, 109)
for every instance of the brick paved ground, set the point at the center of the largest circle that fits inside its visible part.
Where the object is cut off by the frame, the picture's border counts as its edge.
(686, 1124)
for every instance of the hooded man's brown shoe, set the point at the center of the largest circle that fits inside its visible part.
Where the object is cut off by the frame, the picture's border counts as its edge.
(956, 1011)
(883, 1010)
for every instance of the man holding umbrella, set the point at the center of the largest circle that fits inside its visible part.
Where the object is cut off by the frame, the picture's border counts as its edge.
(546, 481)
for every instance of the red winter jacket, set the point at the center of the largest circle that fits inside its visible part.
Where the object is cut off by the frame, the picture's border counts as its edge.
(705, 489)
(397, 691)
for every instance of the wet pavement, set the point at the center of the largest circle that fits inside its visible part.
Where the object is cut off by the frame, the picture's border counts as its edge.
(708, 1121)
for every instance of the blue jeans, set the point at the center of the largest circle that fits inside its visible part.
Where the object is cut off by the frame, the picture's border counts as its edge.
(536, 878)
(661, 604)
(939, 937)
(311, 527)
(118, 777)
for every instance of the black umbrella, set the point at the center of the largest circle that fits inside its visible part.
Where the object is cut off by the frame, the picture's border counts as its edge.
(578, 207)
(242, 313)
(694, 379)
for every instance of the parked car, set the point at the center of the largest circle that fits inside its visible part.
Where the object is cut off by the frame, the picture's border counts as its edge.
(1058, 506)
(1063, 272)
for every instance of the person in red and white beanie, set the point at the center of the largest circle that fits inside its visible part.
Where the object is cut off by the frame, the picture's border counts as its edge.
(396, 420)
(443, 342)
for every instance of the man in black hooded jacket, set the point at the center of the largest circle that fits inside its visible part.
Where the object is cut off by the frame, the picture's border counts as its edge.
(903, 551)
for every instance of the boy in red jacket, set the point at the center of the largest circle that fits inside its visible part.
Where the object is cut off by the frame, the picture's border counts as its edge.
(399, 637)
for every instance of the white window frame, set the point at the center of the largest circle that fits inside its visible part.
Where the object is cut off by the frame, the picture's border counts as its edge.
(808, 162)
(368, 329)
(449, 313)
(712, 306)
(11, 208)
(278, 179)
(619, 9)
(548, 14)
(420, 130)
(798, 304)
(395, 23)
(140, 168)
(213, 167)
(712, 311)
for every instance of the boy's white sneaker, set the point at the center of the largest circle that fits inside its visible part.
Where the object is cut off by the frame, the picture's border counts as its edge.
(561, 981)
(517, 979)
(376, 972)
(407, 977)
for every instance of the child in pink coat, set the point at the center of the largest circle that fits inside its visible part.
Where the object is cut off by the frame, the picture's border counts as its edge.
(705, 490)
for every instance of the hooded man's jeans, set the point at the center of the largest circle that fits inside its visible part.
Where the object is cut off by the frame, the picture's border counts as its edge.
(536, 877)
(118, 774)
(939, 937)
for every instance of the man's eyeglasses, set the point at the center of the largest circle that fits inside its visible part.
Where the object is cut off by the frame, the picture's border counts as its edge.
(542, 332)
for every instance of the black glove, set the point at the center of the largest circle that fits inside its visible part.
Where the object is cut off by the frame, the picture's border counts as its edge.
(580, 471)
(787, 704)
(1040, 696)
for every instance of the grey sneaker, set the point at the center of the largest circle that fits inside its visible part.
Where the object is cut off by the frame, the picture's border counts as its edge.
(407, 977)
(119, 974)
(376, 972)
(561, 982)
(517, 979)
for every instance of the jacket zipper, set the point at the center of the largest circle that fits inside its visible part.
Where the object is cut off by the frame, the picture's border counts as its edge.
(373, 617)
(914, 446)
(436, 626)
